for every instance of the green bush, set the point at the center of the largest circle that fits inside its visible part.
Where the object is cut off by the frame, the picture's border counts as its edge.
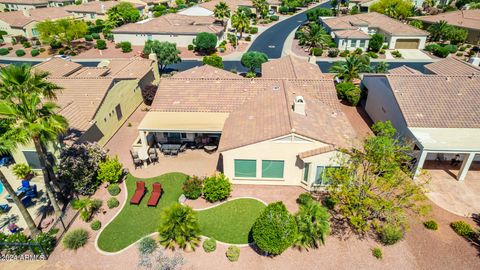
(316, 51)
(18, 237)
(34, 53)
(373, 55)
(233, 253)
(89, 37)
(248, 38)
(451, 48)
(205, 42)
(353, 96)
(253, 30)
(377, 253)
(313, 14)
(4, 51)
(87, 207)
(112, 202)
(209, 245)
(376, 42)
(304, 198)
(431, 47)
(192, 187)
(298, 34)
(358, 51)
(275, 229)
(441, 52)
(462, 49)
(96, 225)
(274, 18)
(114, 189)
(329, 203)
(46, 240)
(20, 53)
(101, 44)
(147, 245)
(382, 51)
(22, 171)
(190, 47)
(431, 225)
(459, 54)
(344, 53)
(75, 239)
(126, 46)
(26, 44)
(463, 229)
(111, 169)
(333, 52)
(216, 188)
(96, 36)
(390, 234)
(397, 54)
(283, 10)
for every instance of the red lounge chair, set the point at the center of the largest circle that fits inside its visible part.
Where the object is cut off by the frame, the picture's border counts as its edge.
(156, 193)
(139, 192)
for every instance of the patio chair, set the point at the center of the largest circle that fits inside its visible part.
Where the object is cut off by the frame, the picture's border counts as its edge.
(167, 152)
(139, 193)
(5, 208)
(137, 162)
(25, 186)
(156, 194)
(183, 148)
(153, 158)
(27, 201)
(134, 154)
(152, 151)
(32, 193)
(174, 152)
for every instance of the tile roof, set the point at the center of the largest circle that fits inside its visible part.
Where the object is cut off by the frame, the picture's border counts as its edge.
(135, 68)
(290, 67)
(462, 18)
(232, 4)
(91, 72)
(356, 33)
(25, 2)
(207, 72)
(57, 67)
(433, 101)
(373, 20)
(316, 151)
(172, 23)
(17, 19)
(452, 66)
(403, 70)
(97, 7)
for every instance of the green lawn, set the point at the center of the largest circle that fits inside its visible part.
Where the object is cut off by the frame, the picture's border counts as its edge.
(136, 221)
(230, 222)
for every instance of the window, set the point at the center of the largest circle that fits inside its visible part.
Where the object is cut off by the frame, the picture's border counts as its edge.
(306, 171)
(321, 178)
(353, 43)
(362, 43)
(118, 109)
(32, 159)
(272, 168)
(245, 168)
(183, 135)
(35, 32)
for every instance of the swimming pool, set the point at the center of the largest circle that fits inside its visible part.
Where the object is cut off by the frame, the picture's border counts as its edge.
(1, 188)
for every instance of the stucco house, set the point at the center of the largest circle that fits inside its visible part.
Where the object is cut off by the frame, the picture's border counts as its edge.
(438, 113)
(23, 22)
(12, 5)
(180, 29)
(98, 9)
(281, 129)
(353, 31)
(96, 101)
(465, 19)
(451, 66)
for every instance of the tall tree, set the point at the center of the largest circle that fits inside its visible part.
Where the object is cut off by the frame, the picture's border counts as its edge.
(398, 9)
(167, 52)
(240, 21)
(33, 119)
(438, 30)
(221, 11)
(63, 30)
(315, 36)
(261, 8)
(350, 69)
(123, 13)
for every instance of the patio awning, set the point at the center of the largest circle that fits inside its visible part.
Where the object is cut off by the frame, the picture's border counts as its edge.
(448, 139)
(197, 122)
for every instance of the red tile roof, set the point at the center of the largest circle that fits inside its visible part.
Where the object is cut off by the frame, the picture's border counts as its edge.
(452, 66)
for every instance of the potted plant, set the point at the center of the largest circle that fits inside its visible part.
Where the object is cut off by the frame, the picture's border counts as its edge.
(22, 171)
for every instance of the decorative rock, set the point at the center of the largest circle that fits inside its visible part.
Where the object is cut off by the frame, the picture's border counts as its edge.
(182, 199)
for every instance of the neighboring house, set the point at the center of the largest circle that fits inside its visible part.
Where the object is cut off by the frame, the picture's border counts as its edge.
(281, 129)
(180, 29)
(405, 70)
(439, 113)
(23, 22)
(98, 9)
(13, 5)
(96, 101)
(364, 5)
(352, 31)
(207, 8)
(451, 66)
(465, 19)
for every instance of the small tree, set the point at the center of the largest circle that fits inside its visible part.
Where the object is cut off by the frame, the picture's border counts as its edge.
(123, 13)
(179, 226)
(376, 42)
(192, 187)
(275, 229)
(253, 60)
(205, 42)
(87, 207)
(110, 170)
(126, 46)
(216, 188)
(167, 53)
(313, 226)
(221, 11)
(213, 60)
(101, 44)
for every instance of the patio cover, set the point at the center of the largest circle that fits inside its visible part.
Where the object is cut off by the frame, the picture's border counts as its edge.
(198, 122)
(448, 139)
(196, 11)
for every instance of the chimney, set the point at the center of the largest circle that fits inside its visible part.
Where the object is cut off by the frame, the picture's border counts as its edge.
(102, 8)
(26, 12)
(299, 105)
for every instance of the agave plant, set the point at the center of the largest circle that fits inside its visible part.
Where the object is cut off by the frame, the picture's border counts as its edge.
(179, 226)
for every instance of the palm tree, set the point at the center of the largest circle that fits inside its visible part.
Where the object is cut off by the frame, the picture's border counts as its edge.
(313, 226)
(240, 21)
(315, 36)
(87, 207)
(349, 69)
(179, 225)
(33, 120)
(221, 11)
(437, 30)
(261, 7)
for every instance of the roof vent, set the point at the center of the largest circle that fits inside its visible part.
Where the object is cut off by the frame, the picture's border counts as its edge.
(276, 88)
(447, 79)
(299, 105)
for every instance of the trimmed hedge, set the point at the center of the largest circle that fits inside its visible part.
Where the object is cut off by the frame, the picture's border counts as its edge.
(274, 18)
(96, 225)
(441, 52)
(233, 253)
(114, 189)
(20, 53)
(34, 53)
(209, 245)
(75, 239)
(112, 203)
(316, 51)
(4, 51)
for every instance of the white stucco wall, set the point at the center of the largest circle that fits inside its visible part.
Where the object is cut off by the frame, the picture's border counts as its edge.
(349, 44)
(140, 39)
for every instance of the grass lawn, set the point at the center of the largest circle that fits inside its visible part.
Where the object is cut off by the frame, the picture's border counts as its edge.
(232, 221)
(136, 221)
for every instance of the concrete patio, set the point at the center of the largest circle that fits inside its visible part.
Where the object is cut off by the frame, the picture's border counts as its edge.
(459, 197)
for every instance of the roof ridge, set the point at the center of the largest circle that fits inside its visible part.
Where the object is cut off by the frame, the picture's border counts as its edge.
(289, 112)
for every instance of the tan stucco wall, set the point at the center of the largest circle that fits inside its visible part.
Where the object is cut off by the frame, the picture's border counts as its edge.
(140, 39)
(19, 156)
(271, 150)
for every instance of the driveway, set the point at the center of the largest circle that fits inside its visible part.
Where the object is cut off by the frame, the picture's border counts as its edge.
(414, 55)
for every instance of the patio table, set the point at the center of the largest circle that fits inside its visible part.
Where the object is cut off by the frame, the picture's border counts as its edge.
(143, 155)
(210, 148)
(170, 147)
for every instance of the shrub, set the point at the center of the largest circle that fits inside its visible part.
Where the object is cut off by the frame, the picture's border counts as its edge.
(312, 224)
(26, 44)
(209, 245)
(18, 237)
(205, 42)
(372, 55)
(126, 46)
(96, 225)
(46, 240)
(316, 51)
(233, 253)
(344, 53)
(397, 54)
(192, 187)
(190, 47)
(463, 229)
(275, 229)
(248, 38)
(353, 96)
(34, 53)
(462, 49)
(114, 189)
(298, 34)
(4, 51)
(313, 14)
(87, 207)
(110, 170)
(349, 92)
(431, 47)
(274, 18)
(179, 226)
(89, 37)
(22, 171)
(101, 44)
(358, 51)
(75, 239)
(390, 234)
(283, 10)
(382, 51)
(451, 48)
(459, 54)
(377, 253)
(376, 42)
(147, 245)
(431, 225)
(441, 52)
(253, 30)
(20, 53)
(96, 36)
(216, 188)
(304, 198)
(333, 52)
(329, 203)
(112, 202)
